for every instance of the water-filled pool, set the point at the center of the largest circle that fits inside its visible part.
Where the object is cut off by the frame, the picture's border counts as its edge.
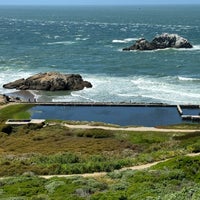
(121, 115)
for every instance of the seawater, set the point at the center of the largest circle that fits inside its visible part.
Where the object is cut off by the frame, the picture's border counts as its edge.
(88, 40)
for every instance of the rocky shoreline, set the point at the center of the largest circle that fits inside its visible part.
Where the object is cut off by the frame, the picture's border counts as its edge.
(49, 81)
(5, 98)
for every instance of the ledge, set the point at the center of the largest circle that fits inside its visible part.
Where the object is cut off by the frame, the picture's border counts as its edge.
(24, 121)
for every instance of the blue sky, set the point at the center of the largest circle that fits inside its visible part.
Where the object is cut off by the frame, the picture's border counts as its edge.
(95, 2)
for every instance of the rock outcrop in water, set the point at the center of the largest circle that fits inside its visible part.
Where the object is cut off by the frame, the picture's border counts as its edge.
(50, 81)
(3, 99)
(6, 99)
(162, 41)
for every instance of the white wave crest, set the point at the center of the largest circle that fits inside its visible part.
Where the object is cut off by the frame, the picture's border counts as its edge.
(194, 48)
(61, 43)
(82, 97)
(127, 40)
(188, 79)
(81, 39)
(9, 75)
(166, 90)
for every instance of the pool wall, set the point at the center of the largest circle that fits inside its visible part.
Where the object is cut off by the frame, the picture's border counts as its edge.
(124, 114)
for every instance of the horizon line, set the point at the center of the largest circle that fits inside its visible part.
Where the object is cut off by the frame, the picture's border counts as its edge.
(147, 4)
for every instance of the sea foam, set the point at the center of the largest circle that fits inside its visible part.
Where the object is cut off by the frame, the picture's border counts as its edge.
(181, 78)
(61, 43)
(127, 40)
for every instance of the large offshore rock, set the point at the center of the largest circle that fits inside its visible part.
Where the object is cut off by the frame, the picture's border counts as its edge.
(162, 41)
(50, 81)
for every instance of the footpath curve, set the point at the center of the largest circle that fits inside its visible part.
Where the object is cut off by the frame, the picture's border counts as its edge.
(98, 174)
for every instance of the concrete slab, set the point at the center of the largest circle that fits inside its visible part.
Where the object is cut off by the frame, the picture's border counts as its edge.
(24, 121)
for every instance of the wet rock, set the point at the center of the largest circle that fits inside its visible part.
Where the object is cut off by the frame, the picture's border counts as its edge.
(162, 41)
(50, 81)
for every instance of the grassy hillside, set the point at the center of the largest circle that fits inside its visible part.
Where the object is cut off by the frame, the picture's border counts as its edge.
(31, 150)
(18, 111)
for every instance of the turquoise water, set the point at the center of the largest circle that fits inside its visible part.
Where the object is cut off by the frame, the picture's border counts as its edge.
(89, 40)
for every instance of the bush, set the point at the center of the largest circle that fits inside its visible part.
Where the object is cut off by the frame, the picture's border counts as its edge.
(40, 197)
(187, 136)
(94, 133)
(52, 186)
(33, 127)
(6, 129)
(83, 192)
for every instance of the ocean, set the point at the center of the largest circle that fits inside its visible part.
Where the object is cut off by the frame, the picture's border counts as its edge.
(88, 40)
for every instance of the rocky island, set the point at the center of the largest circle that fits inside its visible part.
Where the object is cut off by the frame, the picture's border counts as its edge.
(162, 41)
(50, 81)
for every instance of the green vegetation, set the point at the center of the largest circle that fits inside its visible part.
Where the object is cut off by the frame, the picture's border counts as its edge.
(186, 126)
(28, 151)
(176, 179)
(18, 111)
(56, 149)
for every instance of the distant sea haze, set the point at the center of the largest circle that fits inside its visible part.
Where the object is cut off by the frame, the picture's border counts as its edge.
(89, 41)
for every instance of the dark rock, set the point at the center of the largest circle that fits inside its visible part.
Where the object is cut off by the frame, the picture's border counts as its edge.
(3, 99)
(6, 99)
(162, 41)
(141, 44)
(51, 81)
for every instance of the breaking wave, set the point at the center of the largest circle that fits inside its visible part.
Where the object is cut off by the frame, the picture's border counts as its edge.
(127, 40)
(61, 43)
(181, 78)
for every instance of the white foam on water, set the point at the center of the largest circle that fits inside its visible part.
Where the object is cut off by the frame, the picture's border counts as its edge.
(56, 36)
(194, 48)
(61, 43)
(181, 78)
(9, 75)
(127, 40)
(167, 90)
(81, 39)
(135, 89)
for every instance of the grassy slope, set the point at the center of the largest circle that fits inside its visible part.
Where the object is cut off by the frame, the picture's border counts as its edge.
(18, 111)
(32, 149)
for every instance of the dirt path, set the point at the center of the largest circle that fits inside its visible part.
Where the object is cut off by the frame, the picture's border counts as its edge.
(98, 174)
(141, 129)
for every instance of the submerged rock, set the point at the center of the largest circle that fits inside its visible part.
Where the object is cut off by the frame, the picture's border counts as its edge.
(162, 41)
(50, 81)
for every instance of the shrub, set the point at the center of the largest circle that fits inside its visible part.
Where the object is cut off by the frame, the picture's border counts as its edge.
(94, 133)
(40, 197)
(52, 186)
(1, 191)
(31, 126)
(115, 175)
(83, 192)
(6, 129)
(187, 136)
(195, 148)
(120, 186)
